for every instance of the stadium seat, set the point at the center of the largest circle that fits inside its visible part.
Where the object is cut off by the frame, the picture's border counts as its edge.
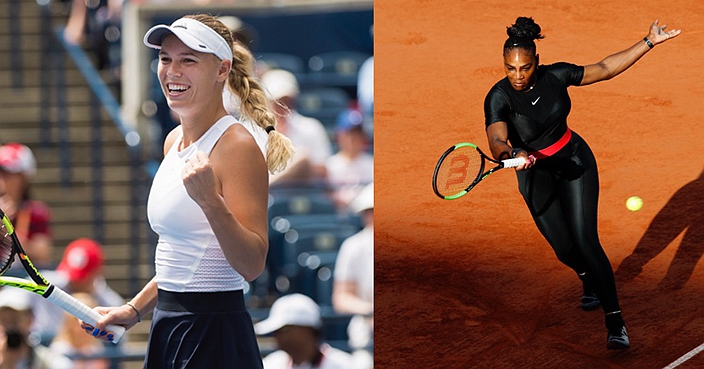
(283, 223)
(294, 248)
(315, 238)
(308, 232)
(303, 203)
(341, 63)
(326, 237)
(288, 202)
(335, 69)
(289, 62)
(323, 103)
(316, 275)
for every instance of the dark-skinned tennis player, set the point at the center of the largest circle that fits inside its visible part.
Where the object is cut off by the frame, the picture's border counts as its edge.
(526, 116)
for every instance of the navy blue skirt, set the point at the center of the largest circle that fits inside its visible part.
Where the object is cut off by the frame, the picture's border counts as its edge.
(202, 330)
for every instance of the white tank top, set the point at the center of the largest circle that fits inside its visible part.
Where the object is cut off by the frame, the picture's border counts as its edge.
(188, 256)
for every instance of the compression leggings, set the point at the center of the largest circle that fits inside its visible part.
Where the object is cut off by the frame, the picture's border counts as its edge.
(562, 193)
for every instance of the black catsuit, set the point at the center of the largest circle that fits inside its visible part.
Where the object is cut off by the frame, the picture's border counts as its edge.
(561, 190)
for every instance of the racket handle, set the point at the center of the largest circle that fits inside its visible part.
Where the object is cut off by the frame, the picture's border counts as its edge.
(83, 312)
(513, 163)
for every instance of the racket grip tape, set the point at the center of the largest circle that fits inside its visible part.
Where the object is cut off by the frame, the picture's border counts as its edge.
(83, 312)
(513, 163)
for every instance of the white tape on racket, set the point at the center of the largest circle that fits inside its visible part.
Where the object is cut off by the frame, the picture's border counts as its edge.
(513, 163)
(83, 312)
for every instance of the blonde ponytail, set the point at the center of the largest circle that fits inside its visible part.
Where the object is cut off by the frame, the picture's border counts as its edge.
(255, 106)
(279, 151)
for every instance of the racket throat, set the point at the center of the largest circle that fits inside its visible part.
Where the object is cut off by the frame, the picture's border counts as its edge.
(32, 270)
(48, 291)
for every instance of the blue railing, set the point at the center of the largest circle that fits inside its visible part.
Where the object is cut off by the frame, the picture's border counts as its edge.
(100, 90)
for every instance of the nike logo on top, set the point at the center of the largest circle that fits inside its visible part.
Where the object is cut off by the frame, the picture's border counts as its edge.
(536, 101)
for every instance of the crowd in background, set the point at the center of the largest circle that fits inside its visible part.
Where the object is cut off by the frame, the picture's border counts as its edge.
(333, 160)
(34, 333)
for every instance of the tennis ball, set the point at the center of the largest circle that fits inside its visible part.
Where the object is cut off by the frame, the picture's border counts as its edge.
(634, 203)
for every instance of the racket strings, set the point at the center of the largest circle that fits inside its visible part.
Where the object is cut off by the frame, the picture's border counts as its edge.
(458, 170)
(6, 249)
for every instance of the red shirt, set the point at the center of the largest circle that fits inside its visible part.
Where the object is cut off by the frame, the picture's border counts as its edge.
(34, 217)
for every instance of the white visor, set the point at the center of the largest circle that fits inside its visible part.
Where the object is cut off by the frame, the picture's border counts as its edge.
(193, 34)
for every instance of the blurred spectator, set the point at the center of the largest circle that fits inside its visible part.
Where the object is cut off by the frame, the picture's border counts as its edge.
(353, 288)
(80, 271)
(295, 322)
(352, 167)
(31, 218)
(365, 90)
(96, 24)
(18, 348)
(365, 93)
(72, 341)
(244, 33)
(307, 134)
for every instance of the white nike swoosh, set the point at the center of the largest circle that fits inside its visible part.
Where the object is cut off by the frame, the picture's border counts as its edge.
(536, 101)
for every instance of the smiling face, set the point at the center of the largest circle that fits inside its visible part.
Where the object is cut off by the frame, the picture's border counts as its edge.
(190, 80)
(520, 66)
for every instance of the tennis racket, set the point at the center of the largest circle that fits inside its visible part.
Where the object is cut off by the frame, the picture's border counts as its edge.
(462, 166)
(9, 247)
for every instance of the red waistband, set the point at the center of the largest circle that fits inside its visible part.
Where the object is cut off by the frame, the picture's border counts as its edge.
(552, 149)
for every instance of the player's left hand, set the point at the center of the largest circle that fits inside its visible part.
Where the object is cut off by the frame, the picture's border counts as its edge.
(530, 160)
(658, 34)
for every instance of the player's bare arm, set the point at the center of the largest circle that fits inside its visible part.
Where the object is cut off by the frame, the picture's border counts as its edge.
(615, 64)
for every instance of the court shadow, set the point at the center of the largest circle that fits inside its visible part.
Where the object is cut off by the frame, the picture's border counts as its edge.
(684, 212)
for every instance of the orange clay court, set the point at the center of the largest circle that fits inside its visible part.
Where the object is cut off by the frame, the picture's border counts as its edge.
(470, 283)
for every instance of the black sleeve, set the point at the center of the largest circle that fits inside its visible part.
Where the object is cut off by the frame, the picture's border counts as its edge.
(496, 107)
(570, 74)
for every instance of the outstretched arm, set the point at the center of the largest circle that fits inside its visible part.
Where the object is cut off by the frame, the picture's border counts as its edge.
(614, 64)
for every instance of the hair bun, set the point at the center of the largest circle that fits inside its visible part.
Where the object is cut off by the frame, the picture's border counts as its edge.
(525, 27)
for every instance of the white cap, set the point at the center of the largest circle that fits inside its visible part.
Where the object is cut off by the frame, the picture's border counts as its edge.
(364, 200)
(293, 309)
(17, 158)
(15, 299)
(194, 34)
(280, 83)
